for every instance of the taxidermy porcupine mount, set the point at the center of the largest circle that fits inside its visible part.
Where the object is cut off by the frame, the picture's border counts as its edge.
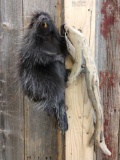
(42, 67)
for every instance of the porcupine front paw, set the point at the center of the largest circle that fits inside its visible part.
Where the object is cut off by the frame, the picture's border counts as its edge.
(60, 59)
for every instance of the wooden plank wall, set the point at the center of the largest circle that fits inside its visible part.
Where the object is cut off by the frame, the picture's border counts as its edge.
(108, 62)
(25, 133)
(40, 132)
(11, 100)
(80, 14)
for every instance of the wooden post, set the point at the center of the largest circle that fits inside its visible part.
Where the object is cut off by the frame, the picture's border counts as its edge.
(108, 61)
(25, 133)
(80, 113)
(11, 100)
(42, 139)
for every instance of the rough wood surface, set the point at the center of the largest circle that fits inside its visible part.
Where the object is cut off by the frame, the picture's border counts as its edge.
(108, 61)
(25, 133)
(11, 104)
(83, 62)
(80, 113)
(40, 135)
(42, 139)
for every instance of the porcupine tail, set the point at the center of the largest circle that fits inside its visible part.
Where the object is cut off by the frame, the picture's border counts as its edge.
(61, 116)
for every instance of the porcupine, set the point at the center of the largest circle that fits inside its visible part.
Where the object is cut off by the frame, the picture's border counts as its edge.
(42, 66)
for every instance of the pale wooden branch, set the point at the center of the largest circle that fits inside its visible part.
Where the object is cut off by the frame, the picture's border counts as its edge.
(77, 43)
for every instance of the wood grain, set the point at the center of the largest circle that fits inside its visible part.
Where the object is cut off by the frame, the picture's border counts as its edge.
(42, 139)
(25, 133)
(11, 104)
(80, 14)
(108, 61)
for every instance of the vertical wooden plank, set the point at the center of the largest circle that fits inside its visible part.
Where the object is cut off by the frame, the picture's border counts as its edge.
(11, 107)
(80, 113)
(108, 61)
(119, 142)
(42, 139)
(59, 21)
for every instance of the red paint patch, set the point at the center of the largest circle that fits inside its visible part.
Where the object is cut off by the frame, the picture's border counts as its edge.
(107, 79)
(106, 123)
(110, 10)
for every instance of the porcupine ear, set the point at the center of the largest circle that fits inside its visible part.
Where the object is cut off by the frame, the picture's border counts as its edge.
(31, 24)
(35, 16)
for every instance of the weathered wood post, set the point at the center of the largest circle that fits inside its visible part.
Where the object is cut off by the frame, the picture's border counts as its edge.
(25, 133)
(11, 104)
(108, 62)
(42, 139)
